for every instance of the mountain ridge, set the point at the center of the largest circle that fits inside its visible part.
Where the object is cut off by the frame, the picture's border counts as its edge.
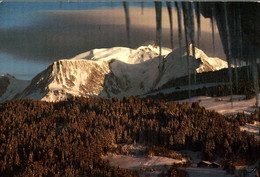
(10, 86)
(114, 72)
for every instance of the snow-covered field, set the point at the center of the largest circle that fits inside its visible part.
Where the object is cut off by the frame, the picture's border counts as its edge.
(144, 165)
(223, 104)
(151, 166)
(136, 162)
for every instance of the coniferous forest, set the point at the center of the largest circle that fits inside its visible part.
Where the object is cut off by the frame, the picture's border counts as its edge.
(68, 138)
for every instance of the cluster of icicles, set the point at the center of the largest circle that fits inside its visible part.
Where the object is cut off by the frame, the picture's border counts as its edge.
(185, 11)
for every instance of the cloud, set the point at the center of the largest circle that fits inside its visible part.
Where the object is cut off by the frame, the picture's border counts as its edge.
(63, 34)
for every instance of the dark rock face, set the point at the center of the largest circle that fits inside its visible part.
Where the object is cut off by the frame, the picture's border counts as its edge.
(249, 13)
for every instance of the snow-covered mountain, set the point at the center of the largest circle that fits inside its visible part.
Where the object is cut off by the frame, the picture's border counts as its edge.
(175, 64)
(10, 86)
(114, 72)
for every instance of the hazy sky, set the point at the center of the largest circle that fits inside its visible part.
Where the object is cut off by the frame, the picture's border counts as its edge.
(46, 32)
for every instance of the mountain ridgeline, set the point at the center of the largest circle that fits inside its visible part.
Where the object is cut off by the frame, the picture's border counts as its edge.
(115, 72)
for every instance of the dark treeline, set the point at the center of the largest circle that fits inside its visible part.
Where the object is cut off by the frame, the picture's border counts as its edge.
(220, 76)
(244, 87)
(68, 138)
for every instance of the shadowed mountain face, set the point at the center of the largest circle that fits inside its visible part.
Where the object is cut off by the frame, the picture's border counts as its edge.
(245, 13)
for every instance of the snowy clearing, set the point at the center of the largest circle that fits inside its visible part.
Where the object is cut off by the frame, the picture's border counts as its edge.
(223, 104)
(151, 166)
(136, 162)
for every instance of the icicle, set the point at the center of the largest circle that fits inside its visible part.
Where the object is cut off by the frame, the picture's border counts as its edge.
(169, 7)
(236, 74)
(240, 34)
(61, 4)
(197, 11)
(187, 41)
(228, 52)
(255, 79)
(235, 30)
(241, 43)
(247, 69)
(158, 11)
(142, 8)
(127, 19)
(178, 7)
(212, 27)
(192, 38)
